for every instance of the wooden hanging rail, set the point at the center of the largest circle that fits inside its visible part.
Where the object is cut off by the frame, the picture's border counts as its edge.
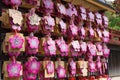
(93, 5)
(114, 36)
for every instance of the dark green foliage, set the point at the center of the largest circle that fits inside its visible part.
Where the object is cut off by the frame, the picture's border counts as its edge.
(114, 20)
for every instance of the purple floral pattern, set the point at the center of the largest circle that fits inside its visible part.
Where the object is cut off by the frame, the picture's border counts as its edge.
(31, 69)
(71, 10)
(92, 66)
(105, 21)
(82, 32)
(83, 13)
(33, 21)
(75, 48)
(83, 10)
(49, 20)
(106, 33)
(48, 4)
(63, 26)
(74, 29)
(49, 23)
(99, 32)
(98, 18)
(106, 40)
(106, 52)
(91, 31)
(50, 41)
(83, 47)
(33, 42)
(99, 47)
(16, 2)
(73, 67)
(33, 66)
(92, 49)
(83, 16)
(50, 67)
(14, 69)
(61, 8)
(63, 47)
(76, 45)
(52, 50)
(91, 16)
(106, 36)
(61, 72)
(99, 65)
(50, 47)
(16, 42)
